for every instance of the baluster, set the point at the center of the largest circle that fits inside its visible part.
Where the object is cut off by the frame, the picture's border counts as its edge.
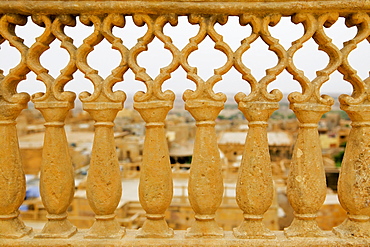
(353, 184)
(12, 180)
(155, 188)
(57, 174)
(104, 187)
(306, 188)
(12, 183)
(205, 182)
(254, 189)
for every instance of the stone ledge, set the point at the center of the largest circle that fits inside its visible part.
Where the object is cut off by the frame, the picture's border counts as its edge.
(175, 0)
(180, 240)
(182, 7)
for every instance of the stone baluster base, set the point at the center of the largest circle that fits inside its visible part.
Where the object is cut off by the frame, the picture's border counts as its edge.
(354, 226)
(304, 225)
(253, 227)
(155, 227)
(204, 225)
(12, 227)
(105, 226)
(57, 227)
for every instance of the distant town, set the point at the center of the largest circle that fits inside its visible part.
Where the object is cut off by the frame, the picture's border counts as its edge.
(231, 128)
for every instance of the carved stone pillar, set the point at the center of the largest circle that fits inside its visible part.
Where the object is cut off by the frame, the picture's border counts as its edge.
(205, 182)
(353, 184)
(306, 188)
(12, 180)
(104, 186)
(57, 176)
(155, 188)
(254, 189)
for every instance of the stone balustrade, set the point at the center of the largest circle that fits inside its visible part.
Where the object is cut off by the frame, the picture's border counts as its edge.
(306, 187)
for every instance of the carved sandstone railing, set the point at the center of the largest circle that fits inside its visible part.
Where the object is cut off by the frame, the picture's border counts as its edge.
(254, 191)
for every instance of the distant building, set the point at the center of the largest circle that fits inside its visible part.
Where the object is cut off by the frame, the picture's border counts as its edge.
(232, 144)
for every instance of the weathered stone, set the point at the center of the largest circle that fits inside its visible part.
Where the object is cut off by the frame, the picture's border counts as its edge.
(306, 183)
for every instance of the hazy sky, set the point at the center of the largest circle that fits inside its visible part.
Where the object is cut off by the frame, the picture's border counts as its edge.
(258, 58)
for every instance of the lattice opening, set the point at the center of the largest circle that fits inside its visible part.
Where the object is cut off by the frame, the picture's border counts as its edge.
(79, 84)
(285, 83)
(129, 85)
(29, 32)
(130, 33)
(336, 85)
(155, 58)
(310, 59)
(231, 84)
(54, 59)
(286, 32)
(207, 58)
(9, 57)
(358, 59)
(181, 33)
(233, 33)
(258, 58)
(103, 58)
(178, 83)
(339, 33)
(79, 32)
(31, 85)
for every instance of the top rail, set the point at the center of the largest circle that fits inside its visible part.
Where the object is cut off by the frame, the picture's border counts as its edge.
(182, 7)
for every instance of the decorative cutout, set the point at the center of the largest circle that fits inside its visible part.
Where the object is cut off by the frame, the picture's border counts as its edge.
(155, 188)
(313, 28)
(204, 88)
(306, 187)
(205, 181)
(12, 180)
(353, 185)
(56, 181)
(260, 27)
(255, 174)
(104, 193)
